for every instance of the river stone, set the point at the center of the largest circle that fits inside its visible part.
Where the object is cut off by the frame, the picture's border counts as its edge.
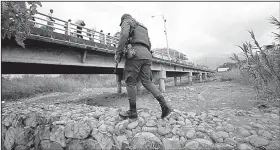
(204, 144)
(3, 130)
(223, 134)
(132, 125)
(190, 134)
(55, 146)
(164, 130)
(243, 132)
(79, 130)
(201, 129)
(121, 141)
(183, 141)
(223, 146)
(75, 145)
(188, 122)
(128, 133)
(8, 119)
(245, 146)
(145, 140)
(181, 118)
(229, 128)
(104, 140)
(21, 147)
(256, 125)
(192, 145)
(258, 141)
(91, 144)
(265, 134)
(44, 132)
(200, 135)
(149, 129)
(141, 121)
(215, 119)
(219, 128)
(122, 125)
(216, 137)
(273, 145)
(151, 123)
(25, 136)
(45, 145)
(10, 138)
(172, 121)
(31, 120)
(181, 122)
(171, 143)
(57, 135)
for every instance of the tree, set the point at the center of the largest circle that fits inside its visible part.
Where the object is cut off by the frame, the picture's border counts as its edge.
(14, 17)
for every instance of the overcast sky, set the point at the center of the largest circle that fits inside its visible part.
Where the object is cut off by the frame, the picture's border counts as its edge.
(197, 29)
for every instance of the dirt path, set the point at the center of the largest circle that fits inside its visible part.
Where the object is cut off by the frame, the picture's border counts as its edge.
(196, 97)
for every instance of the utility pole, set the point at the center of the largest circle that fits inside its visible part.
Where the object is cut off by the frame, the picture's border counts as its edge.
(164, 20)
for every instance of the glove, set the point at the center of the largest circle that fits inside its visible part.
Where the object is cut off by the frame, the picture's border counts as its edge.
(117, 58)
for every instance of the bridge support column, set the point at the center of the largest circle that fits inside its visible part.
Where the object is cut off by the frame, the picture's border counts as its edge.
(161, 75)
(175, 81)
(200, 77)
(119, 83)
(180, 80)
(190, 77)
(138, 87)
(206, 78)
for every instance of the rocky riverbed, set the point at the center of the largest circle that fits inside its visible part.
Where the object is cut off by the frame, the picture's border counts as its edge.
(83, 127)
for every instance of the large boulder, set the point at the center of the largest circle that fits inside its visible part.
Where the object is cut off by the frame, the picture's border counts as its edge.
(57, 135)
(171, 143)
(146, 140)
(78, 130)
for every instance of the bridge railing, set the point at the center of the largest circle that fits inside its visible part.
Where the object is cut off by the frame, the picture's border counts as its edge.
(54, 24)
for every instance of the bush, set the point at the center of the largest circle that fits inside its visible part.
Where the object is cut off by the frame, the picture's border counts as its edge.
(30, 85)
(262, 66)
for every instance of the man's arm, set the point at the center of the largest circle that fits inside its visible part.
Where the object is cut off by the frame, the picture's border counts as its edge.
(123, 37)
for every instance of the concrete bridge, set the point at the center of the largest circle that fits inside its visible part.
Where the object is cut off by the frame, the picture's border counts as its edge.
(48, 51)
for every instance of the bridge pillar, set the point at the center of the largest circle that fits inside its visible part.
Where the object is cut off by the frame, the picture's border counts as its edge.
(162, 76)
(200, 77)
(119, 83)
(206, 78)
(180, 80)
(138, 87)
(190, 77)
(175, 81)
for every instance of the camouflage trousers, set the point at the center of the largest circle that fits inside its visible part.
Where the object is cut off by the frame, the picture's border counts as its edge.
(134, 71)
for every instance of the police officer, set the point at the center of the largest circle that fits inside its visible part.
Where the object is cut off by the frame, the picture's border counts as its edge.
(137, 65)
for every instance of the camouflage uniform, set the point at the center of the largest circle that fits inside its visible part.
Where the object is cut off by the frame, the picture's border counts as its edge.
(138, 67)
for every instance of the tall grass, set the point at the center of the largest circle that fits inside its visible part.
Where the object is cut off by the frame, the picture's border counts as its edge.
(30, 85)
(262, 65)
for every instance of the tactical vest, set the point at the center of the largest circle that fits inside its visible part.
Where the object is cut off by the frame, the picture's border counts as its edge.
(139, 34)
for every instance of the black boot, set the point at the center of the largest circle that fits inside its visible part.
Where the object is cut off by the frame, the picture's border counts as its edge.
(131, 113)
(165, 108)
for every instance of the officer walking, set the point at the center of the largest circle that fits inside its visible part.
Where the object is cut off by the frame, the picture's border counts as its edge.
(138, 64)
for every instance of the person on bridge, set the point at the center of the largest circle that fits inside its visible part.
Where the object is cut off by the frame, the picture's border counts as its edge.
(138, 64)
(50, 21)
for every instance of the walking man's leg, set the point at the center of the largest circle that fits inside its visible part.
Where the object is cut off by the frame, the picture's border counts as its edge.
(131, 72)
(145, 76)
